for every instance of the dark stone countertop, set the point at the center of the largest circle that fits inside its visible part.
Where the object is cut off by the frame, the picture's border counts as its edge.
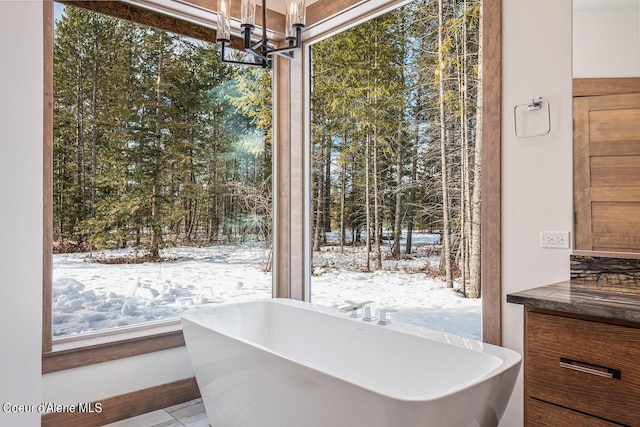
(588, 298)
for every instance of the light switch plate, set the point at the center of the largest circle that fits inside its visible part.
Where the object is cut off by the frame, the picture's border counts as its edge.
(554, 239)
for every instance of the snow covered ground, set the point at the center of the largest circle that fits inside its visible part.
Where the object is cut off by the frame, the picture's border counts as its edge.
(90, 296)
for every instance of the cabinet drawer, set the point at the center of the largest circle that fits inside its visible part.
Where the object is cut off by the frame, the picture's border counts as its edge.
(588, 350)
(541, 414)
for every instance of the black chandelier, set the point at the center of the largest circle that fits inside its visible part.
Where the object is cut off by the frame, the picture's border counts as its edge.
(261, 50)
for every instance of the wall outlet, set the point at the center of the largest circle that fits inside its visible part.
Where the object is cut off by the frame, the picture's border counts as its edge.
(554, 239)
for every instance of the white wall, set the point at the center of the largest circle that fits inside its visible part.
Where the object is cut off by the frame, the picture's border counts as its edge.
(606, 40)
(537, 172)
(20, 207)
(95, 382)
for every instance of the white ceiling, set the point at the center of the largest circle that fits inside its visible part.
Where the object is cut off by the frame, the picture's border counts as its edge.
(280, 5)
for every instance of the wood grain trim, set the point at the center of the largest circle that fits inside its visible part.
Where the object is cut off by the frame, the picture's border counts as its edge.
(525, 363)
(99, 353)
(614, 102)
(605, 86)
(620, 148)
(127, 405)
(609, 254)
(282, 178)
(620, 194)
(150, 18)
(543, 414)
(323, 10)
(47, 167)
(607, 321)
(581, 175)
(298, 263)
(491, 230)
(615, 241)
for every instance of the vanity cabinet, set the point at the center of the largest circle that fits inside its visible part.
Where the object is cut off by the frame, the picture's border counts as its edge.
(580, 370)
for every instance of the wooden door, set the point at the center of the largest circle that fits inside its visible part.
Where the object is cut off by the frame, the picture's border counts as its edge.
(606, 172)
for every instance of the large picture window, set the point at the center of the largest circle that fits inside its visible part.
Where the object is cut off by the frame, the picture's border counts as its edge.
(397, 165)
(161, 175)
(67, 352)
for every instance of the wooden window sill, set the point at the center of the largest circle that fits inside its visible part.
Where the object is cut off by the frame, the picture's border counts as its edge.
(74, 352)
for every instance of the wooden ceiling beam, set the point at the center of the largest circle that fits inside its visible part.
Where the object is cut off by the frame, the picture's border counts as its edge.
(157, 20)
(323, 10)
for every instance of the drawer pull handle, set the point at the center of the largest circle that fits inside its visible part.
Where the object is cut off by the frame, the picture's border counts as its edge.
(588, 368)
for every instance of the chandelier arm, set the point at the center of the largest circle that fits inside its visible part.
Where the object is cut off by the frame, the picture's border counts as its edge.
(264, 63)
(285, 54)
(253, 64)
(257, 45)
(260, 55)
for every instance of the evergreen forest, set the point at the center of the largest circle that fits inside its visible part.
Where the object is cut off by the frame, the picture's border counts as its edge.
(396, 135)
(156, 142)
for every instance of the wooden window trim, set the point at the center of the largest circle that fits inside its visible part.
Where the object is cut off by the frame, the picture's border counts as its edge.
(47, 197)
(150, 18)
(88, 350)
(491, 205)
(126, 405)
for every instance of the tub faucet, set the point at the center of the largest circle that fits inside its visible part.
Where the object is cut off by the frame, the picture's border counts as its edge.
(385, 316)
(355, 308)
(370, 313)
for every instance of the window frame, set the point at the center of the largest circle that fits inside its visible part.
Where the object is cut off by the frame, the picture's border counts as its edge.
(491, 105)
(291, 278)
(101, 346)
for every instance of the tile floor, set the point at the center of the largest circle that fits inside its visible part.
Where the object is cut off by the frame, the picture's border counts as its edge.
(188, 414)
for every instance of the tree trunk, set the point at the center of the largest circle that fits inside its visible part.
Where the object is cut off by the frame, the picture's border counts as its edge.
(397, 226)
(319, 223)
(376, 201)
(94, 134)
(156, 241)
(327, 190)
(367, 202)
(81, 169)
(465, 193)
(414, 177)
(446, 235)
(475, 255)
(343, 189)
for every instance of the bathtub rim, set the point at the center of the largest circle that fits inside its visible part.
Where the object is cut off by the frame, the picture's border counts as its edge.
(508, 358)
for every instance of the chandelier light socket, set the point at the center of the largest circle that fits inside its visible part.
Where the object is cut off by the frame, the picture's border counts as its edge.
(224, 22)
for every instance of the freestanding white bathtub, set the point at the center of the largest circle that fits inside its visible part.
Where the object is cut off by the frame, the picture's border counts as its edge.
(288, 363)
